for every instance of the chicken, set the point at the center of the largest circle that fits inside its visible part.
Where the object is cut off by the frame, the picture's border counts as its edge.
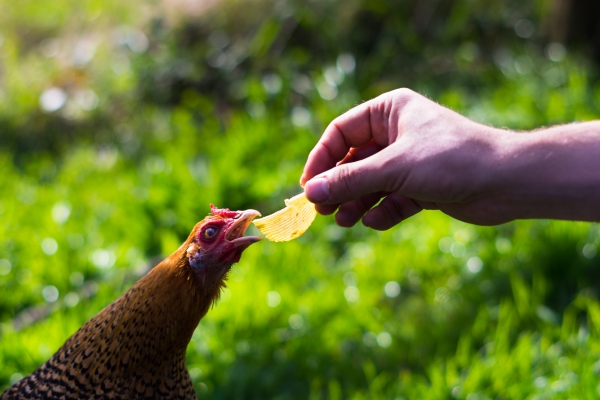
(135, 347)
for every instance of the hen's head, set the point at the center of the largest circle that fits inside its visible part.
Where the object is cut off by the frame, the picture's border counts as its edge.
(218, 241)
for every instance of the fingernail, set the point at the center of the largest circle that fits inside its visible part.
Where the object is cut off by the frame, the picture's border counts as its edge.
(317, 190)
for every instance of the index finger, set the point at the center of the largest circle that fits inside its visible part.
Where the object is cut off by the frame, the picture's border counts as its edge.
(355, 128)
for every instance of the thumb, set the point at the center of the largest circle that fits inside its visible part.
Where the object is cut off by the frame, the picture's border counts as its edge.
(347, 182)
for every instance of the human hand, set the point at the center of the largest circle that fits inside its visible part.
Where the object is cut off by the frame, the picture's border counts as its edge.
(410, 151)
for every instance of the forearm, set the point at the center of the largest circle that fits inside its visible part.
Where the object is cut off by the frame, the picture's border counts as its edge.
(548, 173)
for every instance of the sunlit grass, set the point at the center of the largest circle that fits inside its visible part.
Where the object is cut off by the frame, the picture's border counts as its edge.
(95, 189)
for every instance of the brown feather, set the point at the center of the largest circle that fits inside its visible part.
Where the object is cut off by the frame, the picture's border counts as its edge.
(135, 347)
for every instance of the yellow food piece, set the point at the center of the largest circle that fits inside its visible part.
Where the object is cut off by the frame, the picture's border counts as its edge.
(289, 223)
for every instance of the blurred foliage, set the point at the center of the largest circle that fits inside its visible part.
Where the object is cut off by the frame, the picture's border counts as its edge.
(121, 121)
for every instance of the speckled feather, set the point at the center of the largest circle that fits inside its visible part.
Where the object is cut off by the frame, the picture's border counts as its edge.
(135, 347)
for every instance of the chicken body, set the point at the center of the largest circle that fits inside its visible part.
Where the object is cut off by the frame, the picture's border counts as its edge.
(135, 347)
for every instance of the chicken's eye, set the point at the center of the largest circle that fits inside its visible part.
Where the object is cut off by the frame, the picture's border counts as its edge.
(210, 232)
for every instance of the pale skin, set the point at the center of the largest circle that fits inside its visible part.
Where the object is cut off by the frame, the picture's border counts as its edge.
(415, 154)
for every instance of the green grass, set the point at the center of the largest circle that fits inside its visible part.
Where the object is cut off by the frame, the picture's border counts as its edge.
(89, 198)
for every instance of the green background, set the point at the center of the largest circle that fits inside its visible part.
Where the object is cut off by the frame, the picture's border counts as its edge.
(120, 121)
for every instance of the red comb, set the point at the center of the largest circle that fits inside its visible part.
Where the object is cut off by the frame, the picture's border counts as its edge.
(222, 212)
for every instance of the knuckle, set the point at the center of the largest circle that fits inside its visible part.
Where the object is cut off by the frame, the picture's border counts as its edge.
(345, 181)
(404, 92)
(326, 146)
(334, 124)
(395, 210)
(392, 177)
(399, 99)
(403, 95)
